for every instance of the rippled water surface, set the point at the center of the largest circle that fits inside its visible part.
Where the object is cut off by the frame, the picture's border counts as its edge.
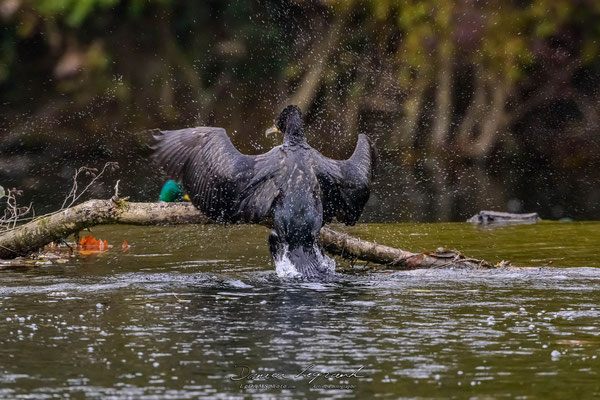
(185, 308)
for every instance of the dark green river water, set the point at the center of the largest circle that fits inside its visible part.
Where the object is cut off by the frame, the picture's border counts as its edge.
(182, 313)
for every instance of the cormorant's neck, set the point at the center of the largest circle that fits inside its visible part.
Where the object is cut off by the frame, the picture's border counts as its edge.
(294, 132)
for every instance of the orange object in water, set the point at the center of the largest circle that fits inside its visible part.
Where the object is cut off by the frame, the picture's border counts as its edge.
(91, 243)
(125, 246)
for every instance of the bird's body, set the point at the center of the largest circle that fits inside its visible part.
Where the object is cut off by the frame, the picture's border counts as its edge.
(293, 186)
(298, 214)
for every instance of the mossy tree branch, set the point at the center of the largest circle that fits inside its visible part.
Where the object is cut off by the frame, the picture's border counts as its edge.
(30, 237)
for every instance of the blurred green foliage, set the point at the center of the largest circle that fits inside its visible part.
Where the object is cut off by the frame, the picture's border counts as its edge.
(74, 12)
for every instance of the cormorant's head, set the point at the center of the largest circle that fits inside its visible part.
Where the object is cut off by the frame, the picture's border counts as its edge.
(289, 122)
(291, 115)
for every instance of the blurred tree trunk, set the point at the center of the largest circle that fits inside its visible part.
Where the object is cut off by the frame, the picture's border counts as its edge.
(412, 108)
(492, 126)
(472, 116)
(442, 117)
(352, 109)
(316, 61)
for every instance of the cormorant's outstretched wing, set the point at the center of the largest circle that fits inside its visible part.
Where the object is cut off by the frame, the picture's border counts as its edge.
(225, 184)
(346, 184)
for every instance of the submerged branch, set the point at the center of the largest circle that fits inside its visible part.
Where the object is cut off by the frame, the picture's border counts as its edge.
(32, 236)
(350, 247)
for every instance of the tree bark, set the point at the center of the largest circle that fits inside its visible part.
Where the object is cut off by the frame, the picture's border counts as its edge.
(32, 236)
(353, 248)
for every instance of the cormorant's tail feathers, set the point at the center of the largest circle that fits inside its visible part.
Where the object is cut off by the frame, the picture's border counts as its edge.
(306, 262)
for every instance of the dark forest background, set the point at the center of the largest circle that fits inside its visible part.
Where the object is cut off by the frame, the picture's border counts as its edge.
(472, 104)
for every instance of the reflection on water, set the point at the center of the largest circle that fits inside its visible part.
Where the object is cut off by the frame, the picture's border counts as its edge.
(186, 308)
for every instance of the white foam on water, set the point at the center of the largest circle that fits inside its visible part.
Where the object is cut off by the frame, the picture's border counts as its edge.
(286, 269)
(327, 262)
(239, 284)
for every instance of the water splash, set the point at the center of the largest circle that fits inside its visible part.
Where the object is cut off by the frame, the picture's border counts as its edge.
(327, 262)
(284, 267)
(287, 270)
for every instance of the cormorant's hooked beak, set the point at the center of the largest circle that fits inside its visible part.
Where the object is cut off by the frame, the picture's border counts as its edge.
(271, 130)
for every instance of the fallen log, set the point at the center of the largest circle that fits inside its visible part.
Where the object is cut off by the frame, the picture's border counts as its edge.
(28, 238)
(353, 248)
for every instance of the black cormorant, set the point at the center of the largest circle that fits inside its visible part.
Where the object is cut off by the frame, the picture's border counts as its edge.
(293, 186)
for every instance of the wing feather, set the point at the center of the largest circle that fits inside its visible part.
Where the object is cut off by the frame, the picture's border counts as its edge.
(225, 184)
(346, 184)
